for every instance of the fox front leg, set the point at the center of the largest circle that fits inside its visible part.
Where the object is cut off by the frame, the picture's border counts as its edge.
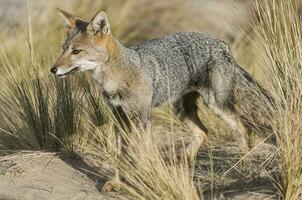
(127, 121)
(141, 120)
(114, 183)
(121, 125)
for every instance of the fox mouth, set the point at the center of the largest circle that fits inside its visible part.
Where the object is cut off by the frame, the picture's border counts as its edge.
(74, 70)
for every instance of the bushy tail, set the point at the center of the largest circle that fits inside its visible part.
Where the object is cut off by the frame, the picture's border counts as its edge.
(254, 104)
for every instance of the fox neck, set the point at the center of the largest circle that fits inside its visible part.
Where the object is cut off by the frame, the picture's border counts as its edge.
(120, 56)
(122, 62)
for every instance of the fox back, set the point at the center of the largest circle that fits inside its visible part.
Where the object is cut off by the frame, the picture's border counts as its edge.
(178, 62)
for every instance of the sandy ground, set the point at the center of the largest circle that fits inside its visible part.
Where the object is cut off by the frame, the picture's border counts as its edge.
(51, 176)
(48, 176)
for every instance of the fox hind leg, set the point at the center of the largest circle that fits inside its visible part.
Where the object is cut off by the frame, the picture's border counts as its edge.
(186, 109)
(236, 126)
(219, 95)
(228, 116)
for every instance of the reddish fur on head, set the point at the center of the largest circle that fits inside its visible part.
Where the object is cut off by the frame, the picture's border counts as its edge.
(87, 45)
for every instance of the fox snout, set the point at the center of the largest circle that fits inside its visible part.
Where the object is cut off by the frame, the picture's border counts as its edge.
(62, 72)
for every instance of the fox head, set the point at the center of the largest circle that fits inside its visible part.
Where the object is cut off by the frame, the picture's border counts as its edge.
(87, 46)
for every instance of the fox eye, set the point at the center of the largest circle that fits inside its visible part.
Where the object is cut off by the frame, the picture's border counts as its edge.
(76, 51)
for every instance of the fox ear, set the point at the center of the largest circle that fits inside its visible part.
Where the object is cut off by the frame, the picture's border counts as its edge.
(100, 24)
(71, 21)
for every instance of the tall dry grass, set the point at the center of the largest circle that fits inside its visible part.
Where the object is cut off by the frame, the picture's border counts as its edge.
(149, 169)
(280, 31)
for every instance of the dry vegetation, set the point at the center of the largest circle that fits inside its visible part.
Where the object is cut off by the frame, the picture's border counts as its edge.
(40, 112)
(281, 34)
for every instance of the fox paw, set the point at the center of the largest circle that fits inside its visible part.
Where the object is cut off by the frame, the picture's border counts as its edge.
(111, 186)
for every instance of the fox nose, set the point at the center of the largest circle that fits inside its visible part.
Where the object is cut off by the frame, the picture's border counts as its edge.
(54, 69)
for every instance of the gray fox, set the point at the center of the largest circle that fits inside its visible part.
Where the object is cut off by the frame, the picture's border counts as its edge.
(180, 67)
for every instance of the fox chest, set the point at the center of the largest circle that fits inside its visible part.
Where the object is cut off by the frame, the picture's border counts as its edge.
(112, 92)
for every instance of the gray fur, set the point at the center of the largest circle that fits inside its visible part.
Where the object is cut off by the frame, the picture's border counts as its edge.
(178, 63)
(185, 63)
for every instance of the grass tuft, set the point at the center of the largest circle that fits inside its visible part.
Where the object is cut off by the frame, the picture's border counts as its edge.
(280, 31)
